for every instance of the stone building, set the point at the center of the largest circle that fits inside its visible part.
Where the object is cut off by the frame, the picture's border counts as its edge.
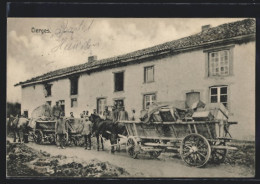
(215, 65)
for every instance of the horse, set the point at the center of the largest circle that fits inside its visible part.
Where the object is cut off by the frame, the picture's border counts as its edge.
(102, 127)
(18, 125)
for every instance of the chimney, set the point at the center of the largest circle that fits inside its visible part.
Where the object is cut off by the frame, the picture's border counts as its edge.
(91, 59)
(205, 27)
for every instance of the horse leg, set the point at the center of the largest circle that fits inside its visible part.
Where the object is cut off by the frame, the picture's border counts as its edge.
(102, 144)
(14, 132)
(19, 136)
(97, 142)
(112, 141)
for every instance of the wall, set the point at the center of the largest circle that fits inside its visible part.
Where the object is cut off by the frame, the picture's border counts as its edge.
(174, 77)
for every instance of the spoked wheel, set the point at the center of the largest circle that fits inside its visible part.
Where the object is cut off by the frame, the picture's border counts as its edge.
(154, 154)
(195, 150)
(52, 139)
(218, 155)
(131, 148)
(38, 137)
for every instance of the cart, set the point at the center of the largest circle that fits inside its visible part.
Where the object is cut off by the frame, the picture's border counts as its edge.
(196, 141)
(44, 132)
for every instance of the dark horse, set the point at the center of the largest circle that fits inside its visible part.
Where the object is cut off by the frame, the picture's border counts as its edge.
(102, 127)
(18, 125)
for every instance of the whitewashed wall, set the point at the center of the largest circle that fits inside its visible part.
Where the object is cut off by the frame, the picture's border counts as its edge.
(174, 77)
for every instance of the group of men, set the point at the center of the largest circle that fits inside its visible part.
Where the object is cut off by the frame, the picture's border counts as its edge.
(118, 113)
(61, 127)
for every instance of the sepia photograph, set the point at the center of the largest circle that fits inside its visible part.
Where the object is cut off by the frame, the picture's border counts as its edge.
(130, 97)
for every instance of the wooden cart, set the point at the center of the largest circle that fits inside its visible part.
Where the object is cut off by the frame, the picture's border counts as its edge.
(44, 132)
(197, 142)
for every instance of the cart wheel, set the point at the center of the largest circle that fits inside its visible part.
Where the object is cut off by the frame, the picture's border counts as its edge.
(66, 139)
(131, 148)
(52, 139)
(154, 154)
(38, 137)
(75, 141)
(218, 155)
(195, 150)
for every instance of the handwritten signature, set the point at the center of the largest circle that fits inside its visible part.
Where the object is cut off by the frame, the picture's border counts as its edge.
(66, 39)
(66, 29)
(64, 44)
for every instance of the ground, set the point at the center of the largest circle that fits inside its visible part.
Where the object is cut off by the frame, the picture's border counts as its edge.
(48, 160)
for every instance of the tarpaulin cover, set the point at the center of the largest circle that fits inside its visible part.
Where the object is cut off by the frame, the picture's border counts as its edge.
(42, 112)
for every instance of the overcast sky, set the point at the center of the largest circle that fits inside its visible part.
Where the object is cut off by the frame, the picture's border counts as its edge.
(69, 41)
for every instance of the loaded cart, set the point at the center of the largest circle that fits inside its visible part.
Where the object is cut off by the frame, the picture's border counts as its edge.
(44, 131)
(196, 141)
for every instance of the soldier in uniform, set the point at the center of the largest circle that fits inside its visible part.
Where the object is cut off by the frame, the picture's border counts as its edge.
(107, 114)
(123, 114)
(115, 113)
(61, 128)
(86, 132)
(56, 111)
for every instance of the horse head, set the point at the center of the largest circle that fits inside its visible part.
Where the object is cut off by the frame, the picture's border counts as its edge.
(12, 122)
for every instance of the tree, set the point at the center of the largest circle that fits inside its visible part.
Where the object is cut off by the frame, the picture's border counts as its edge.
(13, 109)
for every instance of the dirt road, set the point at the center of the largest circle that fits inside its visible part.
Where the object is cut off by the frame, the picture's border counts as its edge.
(166, 165)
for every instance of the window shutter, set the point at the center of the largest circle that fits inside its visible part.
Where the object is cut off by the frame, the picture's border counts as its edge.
(206, 64)
(231, 61)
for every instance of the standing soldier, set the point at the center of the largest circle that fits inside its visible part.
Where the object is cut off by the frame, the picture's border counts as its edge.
(61, 131)
(107, 114)
(71, 115)
(86, 132)
(115, 113)
(56, 111)
(87, 114)
(47, 110)
(123, 115)
(133, 116)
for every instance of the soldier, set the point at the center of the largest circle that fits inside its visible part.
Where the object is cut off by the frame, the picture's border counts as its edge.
(47, 110)
(95, 111)
(115, 113)
(86, 132)
(56, 111)
(71, 115)
(133, 116)
(107, 114)
(61, 131)
(123, 115)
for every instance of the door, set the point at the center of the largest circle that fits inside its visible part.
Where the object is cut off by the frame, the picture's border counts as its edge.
(101, 103)
(62, 104)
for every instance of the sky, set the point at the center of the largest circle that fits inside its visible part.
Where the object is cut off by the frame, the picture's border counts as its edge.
(39, 45)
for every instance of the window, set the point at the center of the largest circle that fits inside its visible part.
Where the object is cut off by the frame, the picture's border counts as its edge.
(47, 90)
(149, 99)
(49, 102)
(119, 81)
(148, 74)
(219, 63)
(74, 86)
(74, 102)
(101, 103)
(219, 94)
(191, 98)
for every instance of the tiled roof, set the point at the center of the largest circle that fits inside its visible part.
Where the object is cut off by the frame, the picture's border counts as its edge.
(222, 32)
